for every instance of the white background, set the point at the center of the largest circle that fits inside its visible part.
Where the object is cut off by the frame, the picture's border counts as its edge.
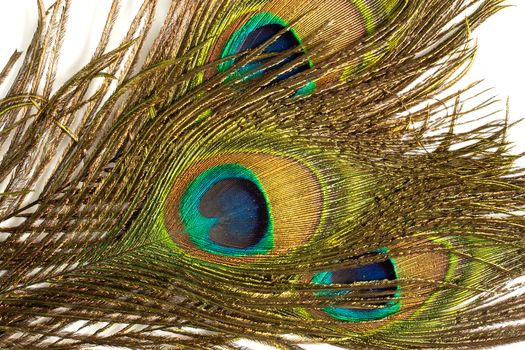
(500, 61)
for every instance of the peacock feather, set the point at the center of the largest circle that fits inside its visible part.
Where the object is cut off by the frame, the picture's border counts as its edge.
(285, 172)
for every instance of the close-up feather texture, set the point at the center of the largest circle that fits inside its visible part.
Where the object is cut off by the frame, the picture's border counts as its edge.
(244, 174)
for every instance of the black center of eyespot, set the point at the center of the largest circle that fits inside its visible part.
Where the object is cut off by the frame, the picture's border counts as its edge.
(372, 272)
(378, 271)
(382, 298)
(285, 41)
(263, 34)
(241, 212)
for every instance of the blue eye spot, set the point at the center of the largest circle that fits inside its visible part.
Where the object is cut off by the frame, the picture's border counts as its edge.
(379, 271)
(258, 30)
(240, 211)
(225, 211)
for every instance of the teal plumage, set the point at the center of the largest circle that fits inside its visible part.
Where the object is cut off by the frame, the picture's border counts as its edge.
(270, 170)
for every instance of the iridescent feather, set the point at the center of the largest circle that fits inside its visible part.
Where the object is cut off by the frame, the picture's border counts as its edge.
(282, 171)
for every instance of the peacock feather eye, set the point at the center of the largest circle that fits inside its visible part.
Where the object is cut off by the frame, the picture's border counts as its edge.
(244, 206)
(225, 211)
(274, 23)
(260, 29)
(374, 310)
